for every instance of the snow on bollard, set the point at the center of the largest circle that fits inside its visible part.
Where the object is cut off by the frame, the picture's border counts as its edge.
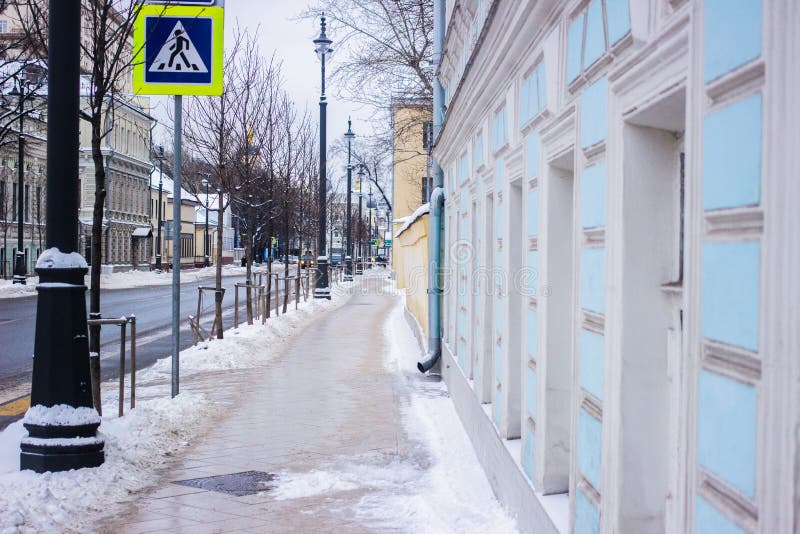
(69, 429)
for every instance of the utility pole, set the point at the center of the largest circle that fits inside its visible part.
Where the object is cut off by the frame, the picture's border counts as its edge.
(61, 345)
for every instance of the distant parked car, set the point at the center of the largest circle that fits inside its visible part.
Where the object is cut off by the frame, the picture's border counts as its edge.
(292, 259)
(336, 259)
(381, 260)
(307, 259)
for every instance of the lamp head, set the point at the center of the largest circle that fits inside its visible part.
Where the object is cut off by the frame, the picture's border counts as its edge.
(322, 44)
(349, 135)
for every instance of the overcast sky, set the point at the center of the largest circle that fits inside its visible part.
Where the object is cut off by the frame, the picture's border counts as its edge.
(291, 41)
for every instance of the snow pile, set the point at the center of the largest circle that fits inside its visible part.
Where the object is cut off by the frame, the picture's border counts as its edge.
(53, 258)
(437, 487)
(139, 444)
(135, 446)
(125, 280)
(61, 414)
(247, 346)
(9, 290)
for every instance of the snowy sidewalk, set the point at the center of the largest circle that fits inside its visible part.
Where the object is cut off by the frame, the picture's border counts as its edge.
(337, 434)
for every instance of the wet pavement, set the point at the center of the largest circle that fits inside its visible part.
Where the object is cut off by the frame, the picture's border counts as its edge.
(305, 442)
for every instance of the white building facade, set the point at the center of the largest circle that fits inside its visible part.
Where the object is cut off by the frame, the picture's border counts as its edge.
(621, 304)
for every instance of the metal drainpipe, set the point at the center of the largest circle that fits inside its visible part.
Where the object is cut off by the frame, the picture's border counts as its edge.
(436, 205)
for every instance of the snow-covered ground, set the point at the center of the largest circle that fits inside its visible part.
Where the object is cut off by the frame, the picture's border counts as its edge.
(144, 439)
(128, 279)
(438, 488)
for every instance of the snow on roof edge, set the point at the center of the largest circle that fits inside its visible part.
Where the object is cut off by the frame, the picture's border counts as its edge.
(419, 212)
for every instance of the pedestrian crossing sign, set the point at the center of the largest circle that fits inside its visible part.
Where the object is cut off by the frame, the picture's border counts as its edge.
(178, 50)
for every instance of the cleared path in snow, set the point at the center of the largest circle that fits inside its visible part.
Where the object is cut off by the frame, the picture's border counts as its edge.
(342, 429)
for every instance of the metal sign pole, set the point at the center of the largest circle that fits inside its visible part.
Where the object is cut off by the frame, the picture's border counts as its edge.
(176, 247)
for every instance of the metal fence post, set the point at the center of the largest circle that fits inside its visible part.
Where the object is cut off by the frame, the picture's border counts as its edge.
(122, 366)
(133, 362)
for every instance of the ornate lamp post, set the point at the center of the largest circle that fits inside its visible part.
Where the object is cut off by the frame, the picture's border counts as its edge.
(369, 216)
(62, 423)
(20, 268)
(160, 157)
(348, 260)
(322, 46)
(360, 238)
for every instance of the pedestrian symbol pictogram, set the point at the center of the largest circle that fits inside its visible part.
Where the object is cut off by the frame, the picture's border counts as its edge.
(179, 50)
(178, 54)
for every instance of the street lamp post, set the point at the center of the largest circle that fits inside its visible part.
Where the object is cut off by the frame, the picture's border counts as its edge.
(62, 423)
(20, 268)
(160, 156)
(205, 238)
(322, 46)
(348, 260)
(360, 255)
(369, 216)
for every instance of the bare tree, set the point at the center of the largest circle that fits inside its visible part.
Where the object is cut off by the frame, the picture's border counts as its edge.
(107, 59)
(384, 48)
(209, 124)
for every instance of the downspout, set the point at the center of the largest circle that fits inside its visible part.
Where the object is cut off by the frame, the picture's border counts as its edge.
(436, 204)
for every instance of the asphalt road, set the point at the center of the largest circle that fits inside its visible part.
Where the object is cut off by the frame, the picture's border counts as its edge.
(152, 307)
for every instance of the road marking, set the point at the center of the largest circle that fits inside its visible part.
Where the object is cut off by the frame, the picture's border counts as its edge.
(15, 407)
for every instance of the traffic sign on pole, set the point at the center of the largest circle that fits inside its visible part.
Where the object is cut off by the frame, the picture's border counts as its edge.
(179, 50)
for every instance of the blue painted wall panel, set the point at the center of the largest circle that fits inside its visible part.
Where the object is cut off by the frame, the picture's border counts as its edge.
(499, 175)
(542, 77)
(730, 292)
(708, 520)
(732, 155)
(528, 454)
(533, 212)
(590, 440)
(524, 102)
(726, 429)
(593, 113)
(532, 155)
(574, 44)
(587, 517)
(530, 392)
(532, 334)
(593, 196)
(732, 35)
(619, 19)
(595, 35)
(530, 278)
(477, 152)
(591, 349)
(593, 274)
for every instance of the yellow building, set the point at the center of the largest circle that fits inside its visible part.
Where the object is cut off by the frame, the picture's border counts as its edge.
(410, 120)
(187, 230)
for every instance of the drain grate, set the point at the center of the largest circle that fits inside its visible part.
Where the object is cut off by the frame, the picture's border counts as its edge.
(239, 484)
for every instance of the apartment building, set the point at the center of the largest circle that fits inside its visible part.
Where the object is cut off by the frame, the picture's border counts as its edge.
(620, 304)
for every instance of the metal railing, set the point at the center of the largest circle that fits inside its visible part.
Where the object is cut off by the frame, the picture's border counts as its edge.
(122, 322)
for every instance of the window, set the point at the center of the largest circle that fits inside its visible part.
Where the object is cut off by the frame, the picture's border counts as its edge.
(463, 169)
(532, 95)
(499, 129)
(38, 204)
(14, 202)
(597, 27)
(477, 151)
(3, 26)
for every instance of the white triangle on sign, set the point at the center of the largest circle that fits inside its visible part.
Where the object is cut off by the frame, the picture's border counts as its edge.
(178, 54)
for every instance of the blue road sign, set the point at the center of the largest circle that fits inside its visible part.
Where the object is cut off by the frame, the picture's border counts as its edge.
(178, 50)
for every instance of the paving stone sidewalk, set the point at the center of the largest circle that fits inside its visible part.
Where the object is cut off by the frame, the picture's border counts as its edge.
(328, 399)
